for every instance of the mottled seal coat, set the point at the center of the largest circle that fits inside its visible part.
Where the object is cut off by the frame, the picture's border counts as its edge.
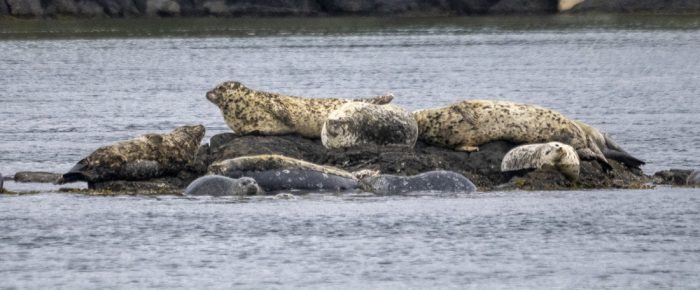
(216, 185)
(534, 156)
(276, 172)
(693, 178)
(249, 111)
(145, 157)
(467, 124)
(439, 181)
(356, 124)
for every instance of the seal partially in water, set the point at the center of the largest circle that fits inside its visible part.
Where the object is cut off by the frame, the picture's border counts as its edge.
(467, 124)
(145, 157)
(356, 124)
(535, 156)
(276, 172)
(216, 185)
(439, 181)
(248, 111)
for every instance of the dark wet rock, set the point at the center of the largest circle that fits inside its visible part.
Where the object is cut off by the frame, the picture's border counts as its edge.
(524, 6)
(482, 167)
(637, 6)
(89, 8)
(675, 177)
(4, 10)
(148, 187)
(160, 7)
(36, 176)
(62, 7)
(25, 8)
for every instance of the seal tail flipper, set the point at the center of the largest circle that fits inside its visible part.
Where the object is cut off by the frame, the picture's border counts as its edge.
(624, 157)
(73, 175)
(588, 154)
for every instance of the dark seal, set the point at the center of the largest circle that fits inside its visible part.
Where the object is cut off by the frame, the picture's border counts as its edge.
(216, 185)
(437, 181)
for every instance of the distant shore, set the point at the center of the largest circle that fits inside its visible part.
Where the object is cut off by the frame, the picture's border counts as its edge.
(304, 8)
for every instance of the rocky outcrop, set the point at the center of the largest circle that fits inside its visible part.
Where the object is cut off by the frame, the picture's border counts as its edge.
(25, 8)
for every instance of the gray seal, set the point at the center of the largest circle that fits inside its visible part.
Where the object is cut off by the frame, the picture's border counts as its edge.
(693, 178)
(216, 185)
(439, 181)
(276, 172)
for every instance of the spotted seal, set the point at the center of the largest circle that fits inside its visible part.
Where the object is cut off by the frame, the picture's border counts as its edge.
(277, 172)
(467, 124)
(534, 156)
(216, 185)
(145, 157)
(356, 124)
(438, 181)
(248, 111)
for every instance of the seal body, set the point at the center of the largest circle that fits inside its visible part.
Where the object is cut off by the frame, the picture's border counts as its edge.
(535, 156)
(693, 178)
(440, 181)
(467, 124)
(216, 185)
(276, 172)
(609, 148)
(248, 111)
(357, 124)
(145, 157)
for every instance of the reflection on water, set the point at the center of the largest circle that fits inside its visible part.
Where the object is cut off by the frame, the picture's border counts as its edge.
(67, 87)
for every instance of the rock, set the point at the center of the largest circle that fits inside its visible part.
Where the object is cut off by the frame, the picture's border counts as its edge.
(273, 7)
(62, 7)
(216, 8)
(25, 8)
(693, 178)
(170, 186)
(4, 10)
(90, 9)
(360, 124)
(676, 177)
(37, 177)
(119, 8)
(162, 8)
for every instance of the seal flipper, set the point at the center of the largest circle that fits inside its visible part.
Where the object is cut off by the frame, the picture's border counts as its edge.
(624, 157)
(588, 154)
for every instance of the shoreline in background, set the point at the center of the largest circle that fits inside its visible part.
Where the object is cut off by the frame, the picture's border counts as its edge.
(325, 8)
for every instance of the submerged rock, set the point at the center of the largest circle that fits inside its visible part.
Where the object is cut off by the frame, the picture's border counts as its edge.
(36, 176)
(675, 177)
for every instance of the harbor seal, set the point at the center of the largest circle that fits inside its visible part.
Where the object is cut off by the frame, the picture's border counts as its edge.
(277, 172)
(465, 125)
(439, 181)
(216, 185)
(535, 156)
(248, 111)
(609, 148)
(145, 157)
(356, 124)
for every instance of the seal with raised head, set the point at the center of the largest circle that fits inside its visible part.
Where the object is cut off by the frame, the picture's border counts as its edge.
(217, 185)
(145, 157)
(277, 172)
(436, 181)
(357, 124)
(535, 156)
(247, 111)
(465, 125)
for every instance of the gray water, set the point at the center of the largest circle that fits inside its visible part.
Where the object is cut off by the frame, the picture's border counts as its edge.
(67, 88)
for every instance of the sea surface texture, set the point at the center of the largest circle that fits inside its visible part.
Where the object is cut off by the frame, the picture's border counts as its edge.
(68, 87)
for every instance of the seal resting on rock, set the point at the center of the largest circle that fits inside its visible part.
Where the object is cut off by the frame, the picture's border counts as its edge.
(440, 181)
(216, 185)
(356, 124)
(277, 172)
(535, 156)
(465, 125)
(248, 111)
(145, 157)
(609, 148)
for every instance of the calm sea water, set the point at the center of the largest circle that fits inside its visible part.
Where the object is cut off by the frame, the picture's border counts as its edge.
(67, 87)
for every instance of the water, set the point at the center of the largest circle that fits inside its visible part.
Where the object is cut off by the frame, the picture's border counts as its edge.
(67, 87)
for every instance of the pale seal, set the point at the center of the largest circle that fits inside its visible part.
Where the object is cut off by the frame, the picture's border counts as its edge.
(247, 111)
(535, 156)
(216, 185)
(358, 124)
(276, 172)
(145, 157)
(436, 181)
(693, 178)
(465, 125)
